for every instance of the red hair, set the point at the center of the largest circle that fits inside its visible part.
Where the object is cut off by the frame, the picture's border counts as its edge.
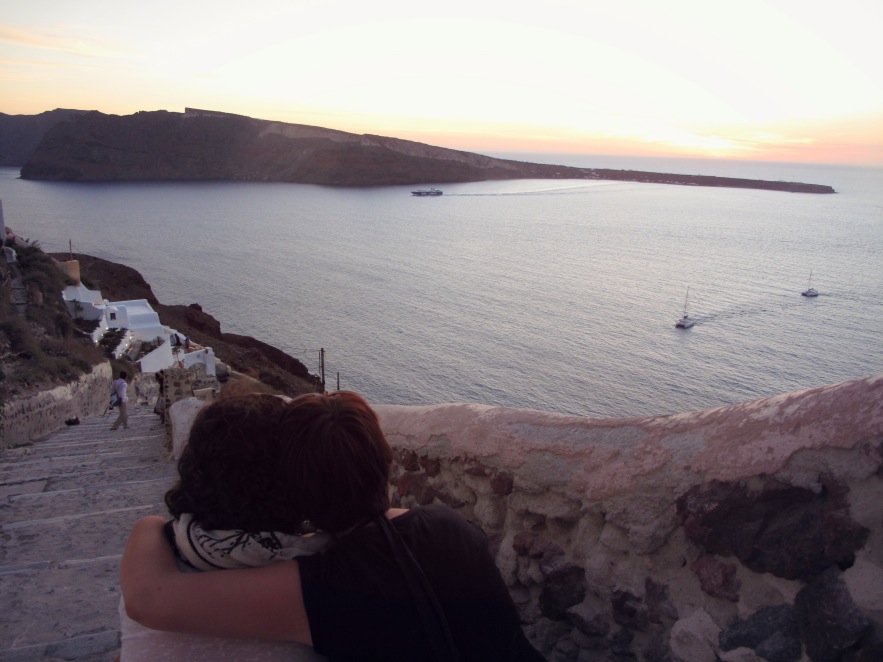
(335, 459)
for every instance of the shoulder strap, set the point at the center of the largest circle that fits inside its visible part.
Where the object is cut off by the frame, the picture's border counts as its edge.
(434, 621)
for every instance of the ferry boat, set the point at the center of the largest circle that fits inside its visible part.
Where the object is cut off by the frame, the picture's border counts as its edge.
(425, 192)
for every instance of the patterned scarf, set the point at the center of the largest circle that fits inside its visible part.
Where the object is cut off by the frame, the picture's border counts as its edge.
(218, 550)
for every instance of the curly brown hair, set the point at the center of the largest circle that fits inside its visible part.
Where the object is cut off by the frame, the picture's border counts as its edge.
(336, 460)
(229, 471)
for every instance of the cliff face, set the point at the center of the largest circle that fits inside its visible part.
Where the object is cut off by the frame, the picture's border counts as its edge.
(20, 134)
(203, 145)
(216, 146)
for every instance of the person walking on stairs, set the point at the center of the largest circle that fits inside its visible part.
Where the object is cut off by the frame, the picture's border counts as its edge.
(118, 388)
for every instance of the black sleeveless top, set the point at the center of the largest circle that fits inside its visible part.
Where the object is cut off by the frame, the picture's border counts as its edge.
(360, 607)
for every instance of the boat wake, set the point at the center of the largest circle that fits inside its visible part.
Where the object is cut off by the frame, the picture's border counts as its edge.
(764, 308)
(558, 190)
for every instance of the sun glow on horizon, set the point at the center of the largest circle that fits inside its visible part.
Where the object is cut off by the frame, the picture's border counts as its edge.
(757, 79)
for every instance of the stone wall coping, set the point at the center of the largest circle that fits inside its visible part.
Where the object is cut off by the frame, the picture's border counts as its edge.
(602, 457)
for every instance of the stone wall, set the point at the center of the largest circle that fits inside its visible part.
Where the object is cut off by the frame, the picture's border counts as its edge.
(29, 418)
(749, 532)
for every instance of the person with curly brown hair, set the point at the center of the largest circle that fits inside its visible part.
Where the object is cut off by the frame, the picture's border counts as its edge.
(396, 584)
(229, 511)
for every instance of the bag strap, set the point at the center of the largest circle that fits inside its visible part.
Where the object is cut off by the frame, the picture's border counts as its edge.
(434, 622)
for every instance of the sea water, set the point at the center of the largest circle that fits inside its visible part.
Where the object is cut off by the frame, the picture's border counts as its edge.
(551, 295)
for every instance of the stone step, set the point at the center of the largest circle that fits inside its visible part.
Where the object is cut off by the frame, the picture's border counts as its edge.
(61, 610)
(78, 536)
(98, 497)
(67, 504)
(68, 468)
(84, 450)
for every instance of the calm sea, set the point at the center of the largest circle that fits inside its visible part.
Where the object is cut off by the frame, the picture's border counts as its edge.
(552, 295)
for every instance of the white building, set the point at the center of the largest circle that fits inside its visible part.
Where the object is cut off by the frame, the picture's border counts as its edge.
(141, 322)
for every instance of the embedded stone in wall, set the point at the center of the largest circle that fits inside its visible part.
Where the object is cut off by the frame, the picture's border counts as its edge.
(658, 602)
(178, 384)
(771, 632)
(562, 590)
(788, 531)
(589, 619)
(828, 619)
(415, 486)
(629, 610)
(408, 460)
(695, 638)
(716, 577)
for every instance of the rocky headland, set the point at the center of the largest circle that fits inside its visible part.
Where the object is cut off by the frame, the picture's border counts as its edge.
(200, 145)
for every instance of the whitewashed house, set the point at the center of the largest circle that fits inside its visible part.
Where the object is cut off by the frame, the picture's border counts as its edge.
(141, 322)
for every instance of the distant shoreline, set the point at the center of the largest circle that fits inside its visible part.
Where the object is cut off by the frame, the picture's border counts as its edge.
(707, 180)
(595, 174)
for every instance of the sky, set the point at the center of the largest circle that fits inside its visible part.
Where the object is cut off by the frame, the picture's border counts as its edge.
(774, 80)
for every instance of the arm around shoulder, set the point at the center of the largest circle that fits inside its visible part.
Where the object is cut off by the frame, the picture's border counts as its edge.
(255, 603)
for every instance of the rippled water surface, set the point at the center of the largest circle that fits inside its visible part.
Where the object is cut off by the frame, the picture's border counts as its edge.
(558, 296)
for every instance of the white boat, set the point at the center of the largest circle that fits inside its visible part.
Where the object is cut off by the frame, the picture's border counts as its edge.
(424, 192)
(810, 291)
(685, 322)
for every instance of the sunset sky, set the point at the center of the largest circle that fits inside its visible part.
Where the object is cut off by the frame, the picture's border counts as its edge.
(785, 80)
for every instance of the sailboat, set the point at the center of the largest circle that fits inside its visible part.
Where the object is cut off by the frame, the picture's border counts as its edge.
(810, 291)
(685, 322)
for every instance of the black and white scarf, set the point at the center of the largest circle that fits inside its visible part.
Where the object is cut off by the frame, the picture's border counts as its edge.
(222, 549)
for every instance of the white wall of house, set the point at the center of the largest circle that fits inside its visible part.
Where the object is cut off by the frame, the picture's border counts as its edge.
(159, 359)
(138, 316)
(204, 356)
(83, 303)
(142, 323)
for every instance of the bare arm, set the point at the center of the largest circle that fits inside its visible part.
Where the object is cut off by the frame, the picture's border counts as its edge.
(255, 603)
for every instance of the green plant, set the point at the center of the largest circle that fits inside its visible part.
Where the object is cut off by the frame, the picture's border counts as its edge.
(43, 346)
(110, 340)
(39, 270)
(19, 334)
(86, 326)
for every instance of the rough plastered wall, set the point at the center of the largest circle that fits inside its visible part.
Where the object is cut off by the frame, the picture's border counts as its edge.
(33, 417)
(749, 532)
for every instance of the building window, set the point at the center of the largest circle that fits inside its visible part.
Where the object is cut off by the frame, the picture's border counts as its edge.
(113, 317)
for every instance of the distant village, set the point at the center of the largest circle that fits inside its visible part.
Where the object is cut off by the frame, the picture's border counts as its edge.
(143, 338)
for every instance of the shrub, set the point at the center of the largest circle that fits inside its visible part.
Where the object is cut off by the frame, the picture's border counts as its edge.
(41, 270)
(111, 340)
(19, 334)
(86, 326)
(43, 347)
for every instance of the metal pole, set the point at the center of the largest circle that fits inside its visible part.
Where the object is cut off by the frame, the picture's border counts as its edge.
(322, 364)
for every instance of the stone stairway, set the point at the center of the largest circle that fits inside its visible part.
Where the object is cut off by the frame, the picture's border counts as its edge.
(67, 503)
